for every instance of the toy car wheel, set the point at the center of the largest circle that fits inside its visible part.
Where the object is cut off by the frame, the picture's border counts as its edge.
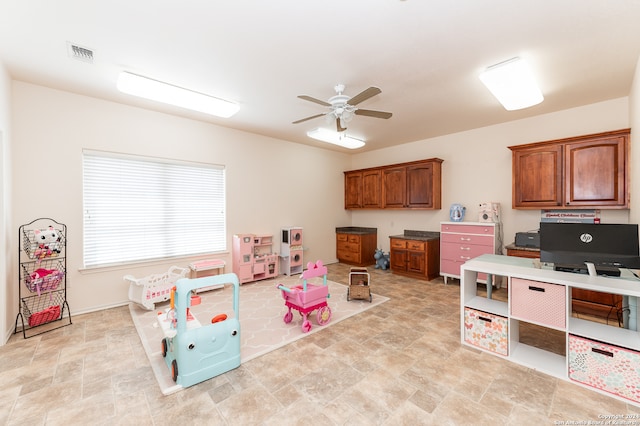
(174, 370)
(324, 315)
(306, 326)
(164, 347)
(288, 317)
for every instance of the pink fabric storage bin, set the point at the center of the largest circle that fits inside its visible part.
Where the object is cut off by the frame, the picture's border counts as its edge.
(539, 302)
(605, 367)
(486, 331)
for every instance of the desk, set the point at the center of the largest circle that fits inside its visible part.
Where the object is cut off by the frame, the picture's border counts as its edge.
(528, 287)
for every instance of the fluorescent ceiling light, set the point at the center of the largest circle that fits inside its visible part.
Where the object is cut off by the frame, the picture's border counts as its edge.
(335, 138)
(513, 84)
(155, 90)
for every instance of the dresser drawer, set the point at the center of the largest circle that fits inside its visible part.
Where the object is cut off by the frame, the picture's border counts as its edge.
(342, 237)
(349, 256)
(415, 245)
(468, 229)
(481, 240)
(486, 331)
(464, 252)
(539, 302)
(398, 244)
(605, 367)
(348, 246)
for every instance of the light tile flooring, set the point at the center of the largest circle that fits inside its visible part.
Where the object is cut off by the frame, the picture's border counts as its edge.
(400, 363)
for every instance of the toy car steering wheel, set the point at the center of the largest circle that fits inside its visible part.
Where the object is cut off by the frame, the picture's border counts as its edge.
(218, 318)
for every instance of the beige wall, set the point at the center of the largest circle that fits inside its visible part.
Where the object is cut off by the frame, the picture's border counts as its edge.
(634, 120)
(6, 259)
(270, 183)
(477, 168)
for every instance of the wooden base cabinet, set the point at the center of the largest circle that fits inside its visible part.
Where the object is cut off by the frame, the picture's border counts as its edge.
(415, 258)
(356, 248)
(599, 356)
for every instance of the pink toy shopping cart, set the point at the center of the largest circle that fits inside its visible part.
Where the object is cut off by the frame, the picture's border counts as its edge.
(308, 297)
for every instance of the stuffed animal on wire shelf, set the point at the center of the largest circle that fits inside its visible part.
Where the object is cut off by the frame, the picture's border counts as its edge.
(49, 242)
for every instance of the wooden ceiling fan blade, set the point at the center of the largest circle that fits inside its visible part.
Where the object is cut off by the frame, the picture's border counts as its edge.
(364, 95)
(317, 101)
(308, 118)
(339, 128)
(371, 113)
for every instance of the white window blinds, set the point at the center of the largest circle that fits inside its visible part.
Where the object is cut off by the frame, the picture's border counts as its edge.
(138, 209)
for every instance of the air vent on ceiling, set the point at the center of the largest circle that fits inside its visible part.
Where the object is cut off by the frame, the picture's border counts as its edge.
(80, 53)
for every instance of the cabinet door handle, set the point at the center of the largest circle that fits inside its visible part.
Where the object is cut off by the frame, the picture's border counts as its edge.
(465, 257)
(540, 289)
(485, 319)
(465, 239)
(602, 352)
(465, 248)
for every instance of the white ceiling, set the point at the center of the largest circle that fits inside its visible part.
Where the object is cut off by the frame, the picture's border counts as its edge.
(425, 55)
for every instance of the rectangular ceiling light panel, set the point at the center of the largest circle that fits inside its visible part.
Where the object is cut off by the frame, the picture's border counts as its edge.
(335, 138)
(158, 91)
(512, 82)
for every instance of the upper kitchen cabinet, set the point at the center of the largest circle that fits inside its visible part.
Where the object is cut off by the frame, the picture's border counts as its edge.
(414, 185)
(581, 172)
(362, 189)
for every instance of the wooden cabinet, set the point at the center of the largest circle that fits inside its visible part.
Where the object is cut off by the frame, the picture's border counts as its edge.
(581, 172)
(414, 185)
(362, 189)
(415, 258)
(356, 248)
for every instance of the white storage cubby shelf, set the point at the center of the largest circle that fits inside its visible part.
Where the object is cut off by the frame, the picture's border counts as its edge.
(535, 295)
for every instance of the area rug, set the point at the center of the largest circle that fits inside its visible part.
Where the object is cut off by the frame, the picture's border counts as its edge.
(262, 326)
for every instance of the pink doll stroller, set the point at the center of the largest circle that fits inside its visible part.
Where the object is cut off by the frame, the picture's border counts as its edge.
(308, 297)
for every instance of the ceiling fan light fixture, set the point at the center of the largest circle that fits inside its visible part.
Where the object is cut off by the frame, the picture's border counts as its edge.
(158, 91)
(512, 82)
(335, 138)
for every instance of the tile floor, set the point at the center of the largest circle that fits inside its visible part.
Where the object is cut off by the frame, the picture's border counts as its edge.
(400, 363)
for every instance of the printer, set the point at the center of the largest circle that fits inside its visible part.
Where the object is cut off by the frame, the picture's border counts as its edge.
(528, 239)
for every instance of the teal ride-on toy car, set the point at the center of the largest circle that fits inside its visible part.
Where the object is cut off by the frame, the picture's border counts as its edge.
(196, 352)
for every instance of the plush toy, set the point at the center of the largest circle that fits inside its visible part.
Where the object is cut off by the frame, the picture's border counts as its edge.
(382, 260)
(48, 241)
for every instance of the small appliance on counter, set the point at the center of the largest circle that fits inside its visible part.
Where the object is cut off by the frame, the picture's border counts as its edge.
(529, 239)
(489, 212)
(456, 212)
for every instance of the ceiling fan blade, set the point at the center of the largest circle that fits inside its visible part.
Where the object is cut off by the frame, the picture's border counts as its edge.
(339, 128)
(308, 118)
(371, 113)
(364, 95)
(317, 101)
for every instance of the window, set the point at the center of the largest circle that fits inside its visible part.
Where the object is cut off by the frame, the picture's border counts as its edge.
(138, 209)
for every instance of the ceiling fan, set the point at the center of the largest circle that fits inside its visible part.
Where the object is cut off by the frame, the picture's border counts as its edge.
(342, 108)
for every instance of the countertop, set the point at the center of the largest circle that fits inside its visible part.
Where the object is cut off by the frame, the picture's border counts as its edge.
(513, 246)
(359, 230)
(418, 235)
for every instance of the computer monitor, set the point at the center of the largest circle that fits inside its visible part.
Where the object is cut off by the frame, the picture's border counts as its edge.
(608, 246)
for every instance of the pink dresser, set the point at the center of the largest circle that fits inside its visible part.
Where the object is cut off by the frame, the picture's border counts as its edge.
(462, 241)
